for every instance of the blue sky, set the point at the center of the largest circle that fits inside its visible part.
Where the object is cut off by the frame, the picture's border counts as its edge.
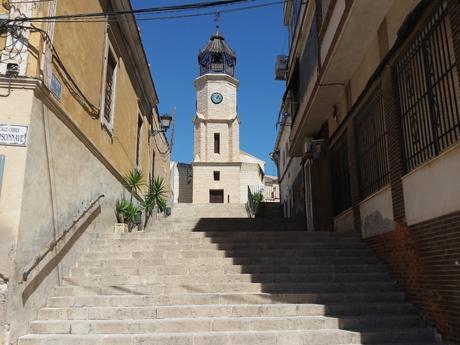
(256, 35)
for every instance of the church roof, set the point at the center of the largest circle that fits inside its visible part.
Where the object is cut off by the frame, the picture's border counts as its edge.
(217, 44)
(217, 56)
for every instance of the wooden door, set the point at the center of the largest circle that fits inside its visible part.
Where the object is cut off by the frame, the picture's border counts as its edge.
(216, 196)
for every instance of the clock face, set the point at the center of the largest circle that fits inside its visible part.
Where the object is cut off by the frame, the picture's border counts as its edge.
(217, 98)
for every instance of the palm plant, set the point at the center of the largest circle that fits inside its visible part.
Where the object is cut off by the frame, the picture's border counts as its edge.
(121, 207)
(130, 215)
(134, 181)
(155, 196)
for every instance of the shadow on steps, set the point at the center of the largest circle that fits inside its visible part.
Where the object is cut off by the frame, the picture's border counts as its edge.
(334, 270)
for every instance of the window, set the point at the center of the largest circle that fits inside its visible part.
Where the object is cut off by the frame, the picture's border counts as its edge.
(139, 139)
(216, 175)
(216, 196)
(109, 88)
(371, 146)
(216, 143)
(427, 84)
(340, 174)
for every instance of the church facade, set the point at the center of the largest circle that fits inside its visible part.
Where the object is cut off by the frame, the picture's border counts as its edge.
(221, 172)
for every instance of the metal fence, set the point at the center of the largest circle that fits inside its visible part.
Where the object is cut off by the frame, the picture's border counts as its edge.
(341, 190)
(371, 146)
(270, 193)
(427, 83)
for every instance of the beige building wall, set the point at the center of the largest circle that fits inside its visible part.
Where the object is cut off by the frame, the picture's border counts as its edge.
(203, 182)
(433, 189)
(70, 158)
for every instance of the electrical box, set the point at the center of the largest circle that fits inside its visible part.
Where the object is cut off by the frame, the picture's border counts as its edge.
(281, 67)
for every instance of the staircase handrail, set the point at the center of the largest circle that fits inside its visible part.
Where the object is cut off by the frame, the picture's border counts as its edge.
(251, 209)
(39, 258)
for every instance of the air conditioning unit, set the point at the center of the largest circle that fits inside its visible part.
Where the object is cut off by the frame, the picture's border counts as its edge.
(281, 67)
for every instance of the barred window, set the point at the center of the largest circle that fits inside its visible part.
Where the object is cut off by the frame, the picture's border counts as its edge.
(373, 168)
(110, 85)
(427, 83)
(341, 190)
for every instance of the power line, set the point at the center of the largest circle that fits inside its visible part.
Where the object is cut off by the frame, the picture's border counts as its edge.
(120, 19)
(179, 16)
(142, 11)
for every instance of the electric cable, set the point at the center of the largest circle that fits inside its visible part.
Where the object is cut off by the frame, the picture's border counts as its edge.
(172, 17)
(162, 9)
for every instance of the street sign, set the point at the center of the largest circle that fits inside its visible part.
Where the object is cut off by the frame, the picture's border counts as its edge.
(13, 135)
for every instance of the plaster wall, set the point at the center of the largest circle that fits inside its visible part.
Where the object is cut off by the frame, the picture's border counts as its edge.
(206, 85)
(250, 176)
(396, 15)
(344, 222)
(432, 189)
(377, 213)
(203, 181)
(289, 169)
(58, 177)
(81, 47)
(182, 182)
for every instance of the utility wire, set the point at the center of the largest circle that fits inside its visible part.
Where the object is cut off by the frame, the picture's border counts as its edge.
(179, 16)
(161, 9)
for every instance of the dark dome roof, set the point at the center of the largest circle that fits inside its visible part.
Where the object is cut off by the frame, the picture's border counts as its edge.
(217, 56)
(217, 44)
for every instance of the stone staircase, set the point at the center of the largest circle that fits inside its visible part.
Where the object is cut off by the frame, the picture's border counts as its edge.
(231, 282)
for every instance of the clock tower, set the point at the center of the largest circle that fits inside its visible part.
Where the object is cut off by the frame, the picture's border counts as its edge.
(216, 162)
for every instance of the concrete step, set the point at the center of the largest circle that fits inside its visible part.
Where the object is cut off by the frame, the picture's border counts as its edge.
(312, 337)
(195, 253)
(182, 240)
(219, 324)
(124, 298)
(122, 279)
(229, 310)
(235, 234)
(218, 261)
(180, 211)
(229, 268)
(152, 246)
(102, 287)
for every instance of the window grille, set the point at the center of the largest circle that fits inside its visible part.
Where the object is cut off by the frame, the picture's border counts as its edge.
(341, 190)
(109, 87)
(371, 146)
(427, 83)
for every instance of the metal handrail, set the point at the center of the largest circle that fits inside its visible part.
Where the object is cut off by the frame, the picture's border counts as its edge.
(53, 243)
(252, 211)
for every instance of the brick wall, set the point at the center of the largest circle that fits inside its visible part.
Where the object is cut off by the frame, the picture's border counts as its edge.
(425, 259)
(394, 149)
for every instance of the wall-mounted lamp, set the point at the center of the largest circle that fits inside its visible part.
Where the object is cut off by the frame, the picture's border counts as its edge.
(165, 123)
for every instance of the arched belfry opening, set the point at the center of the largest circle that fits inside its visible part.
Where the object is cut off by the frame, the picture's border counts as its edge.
(217, 56)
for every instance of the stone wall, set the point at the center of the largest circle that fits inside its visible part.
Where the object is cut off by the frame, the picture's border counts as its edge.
(60, 175)
(203, 181)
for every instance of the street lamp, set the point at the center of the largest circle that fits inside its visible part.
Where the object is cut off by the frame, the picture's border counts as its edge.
(165, 123)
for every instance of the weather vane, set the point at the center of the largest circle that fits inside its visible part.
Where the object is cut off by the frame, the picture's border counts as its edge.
(217, 20)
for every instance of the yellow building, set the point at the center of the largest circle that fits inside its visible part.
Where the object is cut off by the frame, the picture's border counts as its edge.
(78, 110)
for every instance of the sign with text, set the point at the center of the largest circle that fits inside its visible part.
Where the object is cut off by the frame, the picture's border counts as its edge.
(13, 135)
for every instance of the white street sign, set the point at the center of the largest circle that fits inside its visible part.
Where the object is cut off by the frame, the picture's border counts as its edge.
(13, 135)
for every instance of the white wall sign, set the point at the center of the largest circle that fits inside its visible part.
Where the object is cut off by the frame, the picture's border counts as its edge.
(13, 135)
